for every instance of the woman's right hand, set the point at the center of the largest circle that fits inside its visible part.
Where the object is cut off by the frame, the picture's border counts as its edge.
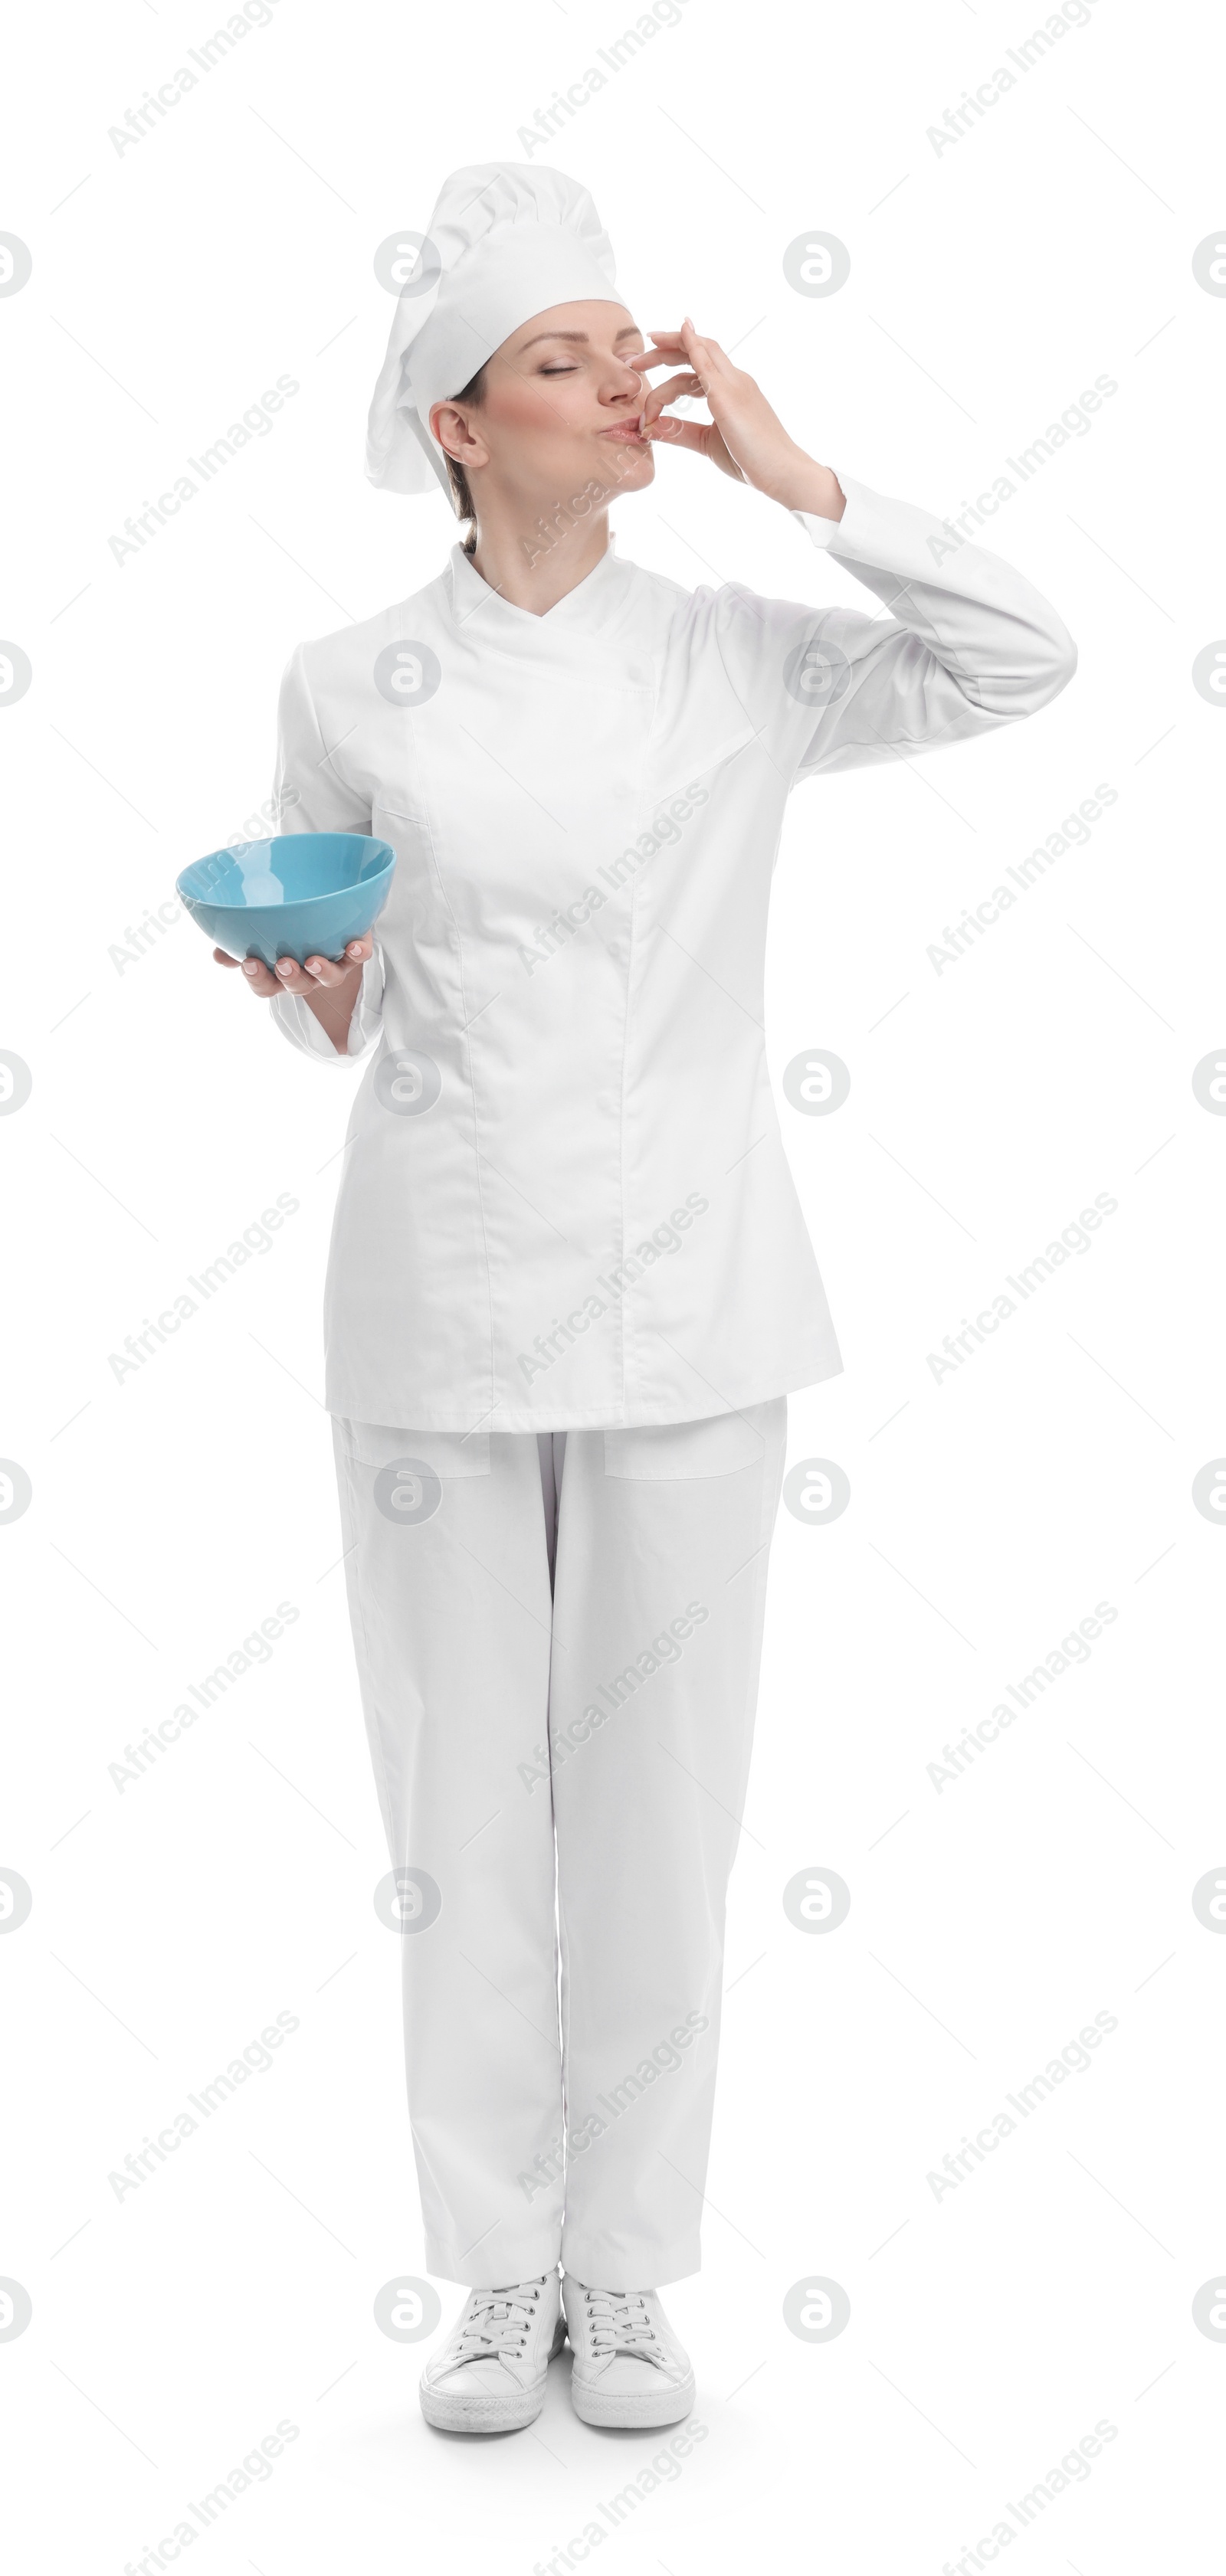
(329, 985)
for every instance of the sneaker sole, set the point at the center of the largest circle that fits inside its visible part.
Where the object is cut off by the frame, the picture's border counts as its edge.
(632, 2410)
(451, 2412)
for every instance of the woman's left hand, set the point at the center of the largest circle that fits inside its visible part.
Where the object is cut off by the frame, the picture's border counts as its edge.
(744, 437)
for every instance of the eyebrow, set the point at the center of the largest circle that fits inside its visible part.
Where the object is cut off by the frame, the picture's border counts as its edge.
(630, 331)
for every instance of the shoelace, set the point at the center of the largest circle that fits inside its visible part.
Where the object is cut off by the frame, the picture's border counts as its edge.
(620, 2323)
(498, 2323)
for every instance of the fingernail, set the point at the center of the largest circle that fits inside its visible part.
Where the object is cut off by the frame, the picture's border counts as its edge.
(285, 966)
(314, 968)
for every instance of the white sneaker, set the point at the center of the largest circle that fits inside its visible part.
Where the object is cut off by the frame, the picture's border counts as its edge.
(629, 2367)
(489, 2376)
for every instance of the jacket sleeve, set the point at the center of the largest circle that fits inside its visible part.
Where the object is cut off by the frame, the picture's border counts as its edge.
(965, 644)
(312, 795)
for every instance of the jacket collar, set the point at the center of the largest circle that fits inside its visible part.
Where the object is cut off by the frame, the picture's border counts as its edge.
(590, 608)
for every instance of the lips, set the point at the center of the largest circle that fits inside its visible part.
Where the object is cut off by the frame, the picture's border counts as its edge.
(626, 433)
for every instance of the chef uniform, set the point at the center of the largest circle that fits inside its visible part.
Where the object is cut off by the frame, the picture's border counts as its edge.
(570, 1283)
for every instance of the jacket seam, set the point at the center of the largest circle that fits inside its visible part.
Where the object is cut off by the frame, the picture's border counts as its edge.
(466, 1042)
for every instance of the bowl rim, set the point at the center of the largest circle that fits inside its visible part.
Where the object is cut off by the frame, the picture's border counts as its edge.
(216, 904)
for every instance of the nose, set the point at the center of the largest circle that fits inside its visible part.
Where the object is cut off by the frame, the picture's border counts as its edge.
(623, 380)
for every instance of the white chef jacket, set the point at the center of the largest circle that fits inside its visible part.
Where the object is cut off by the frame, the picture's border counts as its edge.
(564, 1198)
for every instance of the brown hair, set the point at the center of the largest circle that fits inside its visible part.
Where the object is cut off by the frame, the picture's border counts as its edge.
(472, 392)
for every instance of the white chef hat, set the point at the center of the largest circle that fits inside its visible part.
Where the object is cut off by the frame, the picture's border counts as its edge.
(505, 241)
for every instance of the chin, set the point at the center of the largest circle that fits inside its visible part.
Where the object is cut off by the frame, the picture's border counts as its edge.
(629, 469)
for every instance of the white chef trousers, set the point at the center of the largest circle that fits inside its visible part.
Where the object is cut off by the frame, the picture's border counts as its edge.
(571, 1689)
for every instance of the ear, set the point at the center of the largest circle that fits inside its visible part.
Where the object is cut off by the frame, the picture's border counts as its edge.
(456, 436)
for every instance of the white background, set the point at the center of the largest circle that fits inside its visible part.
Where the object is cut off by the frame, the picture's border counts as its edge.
(990, 2329)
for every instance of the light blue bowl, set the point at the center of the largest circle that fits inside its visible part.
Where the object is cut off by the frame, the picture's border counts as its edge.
(303, 895)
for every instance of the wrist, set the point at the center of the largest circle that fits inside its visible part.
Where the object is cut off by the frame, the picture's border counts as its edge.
(812, 488)
(333, 1006)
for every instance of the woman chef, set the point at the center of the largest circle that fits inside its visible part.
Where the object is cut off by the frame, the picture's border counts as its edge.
(570, 1284)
